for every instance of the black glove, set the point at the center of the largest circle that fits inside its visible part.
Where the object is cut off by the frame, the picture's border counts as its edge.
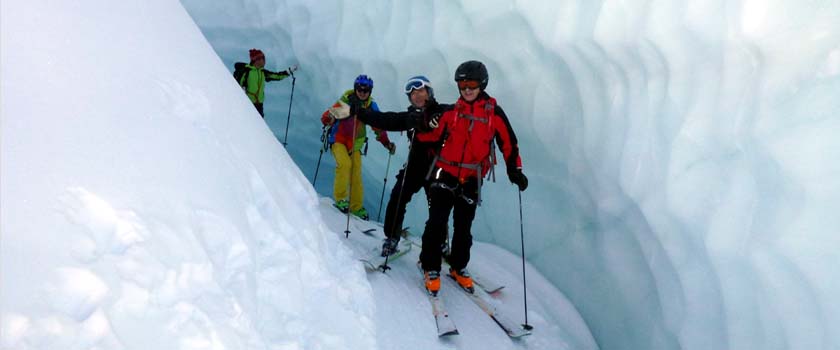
(415, 118)
(434, 121)
(517, 177)
(355, 104)
(434, 111)
(428, 119)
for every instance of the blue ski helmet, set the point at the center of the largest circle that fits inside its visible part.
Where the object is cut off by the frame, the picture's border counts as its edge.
(363, 81)
(419, 82)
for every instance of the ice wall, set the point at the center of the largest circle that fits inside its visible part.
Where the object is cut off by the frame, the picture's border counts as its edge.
(681, 153)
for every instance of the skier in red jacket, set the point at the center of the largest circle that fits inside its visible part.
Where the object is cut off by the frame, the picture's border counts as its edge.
(467, 155)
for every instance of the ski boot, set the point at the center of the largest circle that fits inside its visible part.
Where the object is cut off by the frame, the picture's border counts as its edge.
(389, 246)
(342, 205)
(432, 282)
(361, 213)
(463, 278)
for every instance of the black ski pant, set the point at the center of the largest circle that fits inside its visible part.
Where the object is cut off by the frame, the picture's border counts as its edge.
(259, 107)
(410, 179)
(447, 195)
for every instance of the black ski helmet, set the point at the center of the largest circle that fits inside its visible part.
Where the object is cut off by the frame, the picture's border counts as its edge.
(472, 70)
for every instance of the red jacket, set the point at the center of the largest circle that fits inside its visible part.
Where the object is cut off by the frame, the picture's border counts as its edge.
(469, 130)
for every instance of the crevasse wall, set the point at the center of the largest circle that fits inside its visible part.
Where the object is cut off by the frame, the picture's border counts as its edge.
(681, 154)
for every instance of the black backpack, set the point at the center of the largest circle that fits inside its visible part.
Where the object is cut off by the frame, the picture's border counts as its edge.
(240, 71)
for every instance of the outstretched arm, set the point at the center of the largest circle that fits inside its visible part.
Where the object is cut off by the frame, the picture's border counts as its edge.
(392, 121)
(272, 76)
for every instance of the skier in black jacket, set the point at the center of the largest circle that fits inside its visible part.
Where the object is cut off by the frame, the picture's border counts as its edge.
(419, 119)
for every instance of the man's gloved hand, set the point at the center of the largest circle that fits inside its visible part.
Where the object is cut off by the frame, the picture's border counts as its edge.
(355, 104)
(517, 177)
(327, 119)
(292, 69)
(416, 119)
(382, 137)
(434, 121)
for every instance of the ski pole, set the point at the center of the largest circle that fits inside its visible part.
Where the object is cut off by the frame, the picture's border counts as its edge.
(350, 185)
(384, 183)
(289, 116)
(384, 267)
(524, 284)
(324, 146)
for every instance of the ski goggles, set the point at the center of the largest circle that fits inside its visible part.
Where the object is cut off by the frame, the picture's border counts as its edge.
(467, 84)
(363, 89)
(416, 84)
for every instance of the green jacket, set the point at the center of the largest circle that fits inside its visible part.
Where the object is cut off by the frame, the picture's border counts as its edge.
(254, 82)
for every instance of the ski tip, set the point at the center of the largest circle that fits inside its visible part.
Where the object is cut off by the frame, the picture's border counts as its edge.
(495, 291)
(525, 330)
(448, 333)
(369, 231)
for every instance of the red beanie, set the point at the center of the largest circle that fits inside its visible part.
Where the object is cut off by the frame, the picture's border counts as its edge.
(255, 54)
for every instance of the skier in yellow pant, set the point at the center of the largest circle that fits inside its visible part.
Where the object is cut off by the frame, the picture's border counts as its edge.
(347, 137)
(348, 170)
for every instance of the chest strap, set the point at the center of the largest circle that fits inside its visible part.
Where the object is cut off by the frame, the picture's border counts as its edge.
(458, 191)
(472, 166)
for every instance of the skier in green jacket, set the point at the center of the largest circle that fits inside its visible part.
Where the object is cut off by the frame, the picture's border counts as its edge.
(254, 76)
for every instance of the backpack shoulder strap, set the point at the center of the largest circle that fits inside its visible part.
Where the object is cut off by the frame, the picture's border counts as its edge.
(244, 81)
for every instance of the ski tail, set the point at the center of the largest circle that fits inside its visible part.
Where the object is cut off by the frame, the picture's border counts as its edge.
(444, 324)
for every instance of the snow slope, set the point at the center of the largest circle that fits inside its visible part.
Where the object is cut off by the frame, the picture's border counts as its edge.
(144, 202)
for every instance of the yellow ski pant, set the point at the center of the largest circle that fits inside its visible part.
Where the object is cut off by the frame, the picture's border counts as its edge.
(348, 176)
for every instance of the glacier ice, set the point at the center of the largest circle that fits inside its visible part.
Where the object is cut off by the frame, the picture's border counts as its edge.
(681, 153)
